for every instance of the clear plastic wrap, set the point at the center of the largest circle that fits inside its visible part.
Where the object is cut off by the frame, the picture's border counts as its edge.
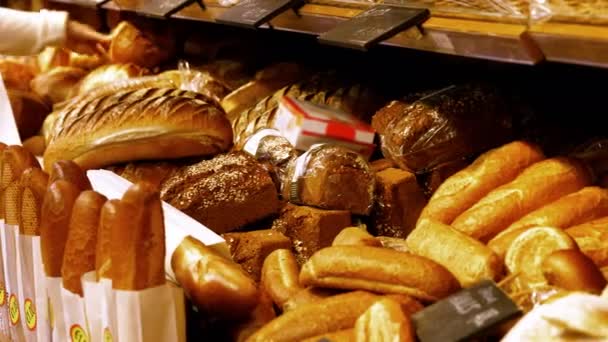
(570, 11)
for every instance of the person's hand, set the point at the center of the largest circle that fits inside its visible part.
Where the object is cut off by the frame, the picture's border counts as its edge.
(84, 39)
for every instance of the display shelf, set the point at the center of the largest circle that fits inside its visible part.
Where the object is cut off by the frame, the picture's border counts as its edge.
(152, 8)
(83, 3)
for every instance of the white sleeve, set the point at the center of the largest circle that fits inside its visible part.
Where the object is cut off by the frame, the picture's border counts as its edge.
(26, 33)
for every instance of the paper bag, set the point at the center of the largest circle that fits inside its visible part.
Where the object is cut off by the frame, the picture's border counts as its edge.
(13, 276)
(8, 127)
(4, 325)
(35, 320)
(77, 328)
(151, 315)
(53, 290)
(99, 307)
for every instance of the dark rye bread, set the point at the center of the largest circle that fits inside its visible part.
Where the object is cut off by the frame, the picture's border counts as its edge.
(143, 124)
(223, 193)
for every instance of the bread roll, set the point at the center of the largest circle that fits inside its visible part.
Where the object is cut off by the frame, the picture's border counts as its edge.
(79, 254)
(384, 321)
(308, 296)
(215, 284)
(108, 74)
(54, 224)
(346, 335)
(131, 45)
(69, 171)
(355, 236)
(280, 276)
(592, 239)
(154, 124)
(113, 216)
(397, 244)
(538, 185)
(466, 258)
(571, 270)
(379, 270)
(489, 171)
(34, 183)
(329, 315)
(138, 253)
(35, 145)
(29, 111)
(57, 84)
(582, 206)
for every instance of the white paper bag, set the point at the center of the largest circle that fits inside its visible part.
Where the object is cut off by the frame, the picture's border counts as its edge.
(53, 290)
(35, 320)
(8, 127)
(99, 307)
(75, 317)
(13, 275)
(4, 324)
(152, 315)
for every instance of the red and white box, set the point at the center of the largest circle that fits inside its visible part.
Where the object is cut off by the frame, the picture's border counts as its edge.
(305, 124)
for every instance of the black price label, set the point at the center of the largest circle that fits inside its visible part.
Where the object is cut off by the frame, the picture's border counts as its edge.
(253, 13)
(155, 8)
(466, 314)
(374, 25)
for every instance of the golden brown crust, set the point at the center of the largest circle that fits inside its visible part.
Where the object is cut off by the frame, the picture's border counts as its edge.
(384, 321)
(131, 45)
(215, 284)
(15, 160)
(307, 296)
(16, 75)
(57, 84)
(467, 259)
(582, 206)
(592, 238)
(150, 172)
(69, 171)
(571, 270)
(35, 145)
(393, 243)
(328, 315)
(79, 254)
(539, 184)
(380, 270)
(492, 169)
(280, 276)
(355, 236)
(113, 216)
(346, 335)
(34, 183)
(108, 74)
(54, 224)
(29, 111)
(138, 253)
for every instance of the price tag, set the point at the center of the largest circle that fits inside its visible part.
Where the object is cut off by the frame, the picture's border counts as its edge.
(374, 25)
(253, 13)
(155, 8)
(466, 314)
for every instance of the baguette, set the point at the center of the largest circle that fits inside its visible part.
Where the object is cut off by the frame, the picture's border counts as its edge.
(79, 254)
(113, 216)
(379, 270)
(54, 224)
(213, 283)
(34, 183)
(307, 296)
(280, 276)
(71, 172)
(329, 315)
(571, 270)
(592, 239)
(138, 253)
(466, 258)
(573, 209)
(354, 236)
(397, 244)
(384, 321)
(539, 184)
(490, 170)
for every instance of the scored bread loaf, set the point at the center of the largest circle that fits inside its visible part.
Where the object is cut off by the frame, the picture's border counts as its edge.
(138, 125)
(34, 183)
(538, 185)
(592, 239)
(582, 206)
(490, 170)
(79, 253)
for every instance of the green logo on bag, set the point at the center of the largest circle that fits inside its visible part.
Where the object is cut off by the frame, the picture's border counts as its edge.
(13, 309)
(78, 334)
(30, 314)
(107, 335)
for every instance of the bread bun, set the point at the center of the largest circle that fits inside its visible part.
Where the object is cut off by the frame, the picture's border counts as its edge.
(280, 274)
(69, 171)
(34, 183)
(571, 270)
(355, 236)
(592, 239)
(384, 321)
(57, 84)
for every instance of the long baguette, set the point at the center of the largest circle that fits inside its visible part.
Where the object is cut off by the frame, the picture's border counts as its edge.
(70, 171)
(582, 206)
(490, 170)
(467, 259)
(379, 270)
(539, 184)
(280, 276)
(79, 254)
(34, 183)
(54, 224)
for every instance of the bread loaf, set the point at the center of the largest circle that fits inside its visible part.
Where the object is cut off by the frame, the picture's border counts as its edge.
(57, 84)
(308, 296)
(280, 276)
(29, 111)
(112, 218)
(592, 239)
(466, 187)
(138, 252)
(69, 171)
(379, 270)
(466, 258)
(330, 177)
(54, 224)
(538, 185)
(355, 236)
(15, 160)
(584, 205)
(329, 315)
(215, 284)
(79, 254)
(131, 45)
(571, 270)
(150, 172)
(154, 124)
(108, 74)
(34, 183)
(384, 321)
